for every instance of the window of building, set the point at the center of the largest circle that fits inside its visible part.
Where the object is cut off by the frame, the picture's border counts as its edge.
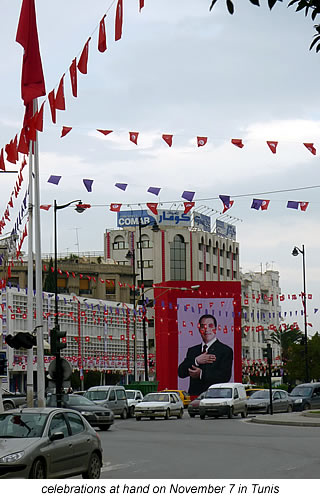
(200, 265)
(221, 271)
(228, 254)
(62, 284)
(145, 242)
(110, 287)
(214, 250)
(221, 252)
(200, 246)
(178, 259)
(234, 274)
(228, 273)
(119, 243)
(147, 264)
(214, 269)
(207, 267)
(84, 287)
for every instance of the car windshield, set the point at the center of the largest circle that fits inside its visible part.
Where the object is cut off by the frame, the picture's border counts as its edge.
(68, 400)
(130, 394)
(156, 397)
(301, 391)
(219, 393)
(97, 395)
(261, 394)
(23, 425)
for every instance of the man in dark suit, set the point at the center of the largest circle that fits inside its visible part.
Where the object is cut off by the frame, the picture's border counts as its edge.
(207, 363)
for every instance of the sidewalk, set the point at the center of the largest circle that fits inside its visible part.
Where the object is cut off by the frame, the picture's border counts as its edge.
(305, 418)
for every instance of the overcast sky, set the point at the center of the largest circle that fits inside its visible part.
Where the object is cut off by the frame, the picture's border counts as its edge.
(181, 70)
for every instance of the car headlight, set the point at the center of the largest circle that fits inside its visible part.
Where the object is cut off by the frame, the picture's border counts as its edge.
(297, 401)
(85, 413)
(11, 458)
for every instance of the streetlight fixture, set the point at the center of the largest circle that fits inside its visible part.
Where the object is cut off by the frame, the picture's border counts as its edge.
(295, 252)
(55, 333)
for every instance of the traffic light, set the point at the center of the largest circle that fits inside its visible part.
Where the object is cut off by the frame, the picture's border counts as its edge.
(55, 336)
(3, 364)
(267, 353)
(21, 340)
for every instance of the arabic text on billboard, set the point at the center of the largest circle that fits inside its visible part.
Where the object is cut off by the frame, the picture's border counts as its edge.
(225, 230)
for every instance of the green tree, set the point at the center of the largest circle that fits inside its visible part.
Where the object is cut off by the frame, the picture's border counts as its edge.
(314, 356)
(311, 7)
(50, 283)
(286, 338)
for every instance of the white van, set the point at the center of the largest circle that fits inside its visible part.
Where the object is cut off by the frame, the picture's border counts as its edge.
(224, 399)
(112, 396)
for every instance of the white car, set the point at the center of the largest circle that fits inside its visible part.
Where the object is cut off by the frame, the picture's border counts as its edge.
(133, 397)
(159, 404)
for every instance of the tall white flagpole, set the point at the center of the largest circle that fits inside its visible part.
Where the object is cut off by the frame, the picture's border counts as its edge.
(38, 260)
(30, 281)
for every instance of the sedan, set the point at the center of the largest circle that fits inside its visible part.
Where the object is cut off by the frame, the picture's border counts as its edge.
(48, 443)
(260, 401)
(95, 414)
(159, 405)
(193, 407)
(12, 400)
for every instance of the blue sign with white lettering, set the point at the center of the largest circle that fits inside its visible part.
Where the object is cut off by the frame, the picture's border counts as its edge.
(201, 221)
(164, 217)
(225, 230)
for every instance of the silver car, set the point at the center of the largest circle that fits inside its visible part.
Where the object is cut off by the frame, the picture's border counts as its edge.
(159, 405)
(48, 443)
(259, 401)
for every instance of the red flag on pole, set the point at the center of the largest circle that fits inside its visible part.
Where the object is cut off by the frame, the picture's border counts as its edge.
(60, 101)
(119, 20)
(32, 79)
(102, 41)
(73, 77)
(52, 102)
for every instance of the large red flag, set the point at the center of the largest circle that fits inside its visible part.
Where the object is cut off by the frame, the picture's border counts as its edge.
(32, 79)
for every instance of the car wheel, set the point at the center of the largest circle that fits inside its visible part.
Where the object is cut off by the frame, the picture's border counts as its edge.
(7, 406)
(131, 411)
(152, 418)
(180, 414)
(94, 468)
(289, 408)
(202, 416)
(138, 418)
(38, 470)
(124, 414)
(230, 413)
(191, 415)
(306, 407)
(104, 427)
(167, 415)
(244, 414)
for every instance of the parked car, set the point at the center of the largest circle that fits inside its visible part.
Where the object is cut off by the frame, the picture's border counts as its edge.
(12, 400)
(193, 407)
(185, 397)
(224, 399)
(260, 401)
(306, 396)
(251, 391)
(102, 417)
(48, 443)
(159, 405)
(133, 397)
(111, 396)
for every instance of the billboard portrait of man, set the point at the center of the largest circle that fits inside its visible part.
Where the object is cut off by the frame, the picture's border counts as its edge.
(208, 362)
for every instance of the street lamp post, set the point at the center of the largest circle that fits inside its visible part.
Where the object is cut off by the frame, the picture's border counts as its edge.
(155, 228)
(59, 373)
(295, 252)
(132, 255)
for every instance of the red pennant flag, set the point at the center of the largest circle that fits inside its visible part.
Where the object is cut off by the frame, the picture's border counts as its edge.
(134, 137)
(11, 155)
(167, 139)
(52, 106)
(265, 204)
(23, 145)
(201, 141)
(45, 207)
(60, 101)
(227, 207)
(73, 77)
(32, 79)
(15, 147)
(38, 119)
(237, 142)
(188, 206)
(310, 147)
(119, 20)
(65, 131)
(153, 208)
(102, 41)
(2, 163)
(303, 205)
(141, 4)
(115, 207)
(83, 61)
(272, 145)
(104, 132)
